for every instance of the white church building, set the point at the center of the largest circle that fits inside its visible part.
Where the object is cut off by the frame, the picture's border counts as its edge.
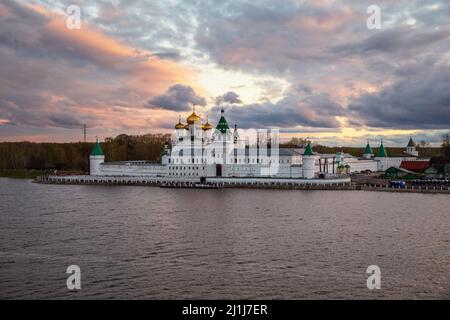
(198, 150)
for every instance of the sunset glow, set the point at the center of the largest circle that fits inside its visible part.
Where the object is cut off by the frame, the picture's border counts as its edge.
(311, 68)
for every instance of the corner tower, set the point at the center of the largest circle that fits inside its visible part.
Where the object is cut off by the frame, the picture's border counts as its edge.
(382, 158)
(96, 158)
(309, 162)
(368, 153)
(381, 151)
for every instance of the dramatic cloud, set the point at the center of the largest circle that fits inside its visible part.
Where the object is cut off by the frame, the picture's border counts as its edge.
(177, 98)
(290, 36)
(270, 37)
(420, 102)
(300, 65)
(229, 97)
(56, 77)
(405, 39)
(292, 111)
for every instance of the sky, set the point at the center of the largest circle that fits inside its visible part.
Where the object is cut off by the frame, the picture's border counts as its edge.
(312, 68)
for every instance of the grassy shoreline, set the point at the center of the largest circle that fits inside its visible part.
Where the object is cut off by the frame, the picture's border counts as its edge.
(21, 174)
(33, 173)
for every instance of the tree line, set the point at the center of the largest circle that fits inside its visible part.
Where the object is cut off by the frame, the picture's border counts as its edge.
(75, 156)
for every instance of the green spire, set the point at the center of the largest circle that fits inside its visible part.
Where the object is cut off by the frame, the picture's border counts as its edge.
(381, 151)
(368, 149)
(308, 150)
(97, 150)
(222, 126)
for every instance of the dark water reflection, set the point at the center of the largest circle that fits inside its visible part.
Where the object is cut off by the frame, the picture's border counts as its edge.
(143, 242)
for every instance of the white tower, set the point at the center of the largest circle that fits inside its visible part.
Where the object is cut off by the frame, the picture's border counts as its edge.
(96, 158)
(368, 153)
(382, 158)
(411, 148)
(309, 163)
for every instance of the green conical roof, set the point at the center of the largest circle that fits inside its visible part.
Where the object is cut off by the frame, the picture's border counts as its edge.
(222, 126)
(97, 150)
(308, 150)
(381, 151)
(368, 149)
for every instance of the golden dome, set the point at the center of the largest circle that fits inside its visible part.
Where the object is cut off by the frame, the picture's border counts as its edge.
(207, 125)
(193, 117)
(179, 125)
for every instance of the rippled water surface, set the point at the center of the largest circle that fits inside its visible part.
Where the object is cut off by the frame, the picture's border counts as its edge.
(152, 243)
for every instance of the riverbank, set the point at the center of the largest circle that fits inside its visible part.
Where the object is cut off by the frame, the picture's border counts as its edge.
(337, 183)
(21, 174)
(419, 189)
(35, 173)
(342, 183)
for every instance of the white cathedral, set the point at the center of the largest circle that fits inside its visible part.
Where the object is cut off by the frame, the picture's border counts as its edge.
(198, 150)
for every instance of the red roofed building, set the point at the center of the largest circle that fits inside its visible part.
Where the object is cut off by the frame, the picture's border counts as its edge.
(415, 166)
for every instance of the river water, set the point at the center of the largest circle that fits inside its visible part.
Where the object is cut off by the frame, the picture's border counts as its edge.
(153, 243)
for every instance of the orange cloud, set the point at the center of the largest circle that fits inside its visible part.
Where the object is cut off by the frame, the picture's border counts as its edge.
(148, 74)
(91, 75)
(327, 23)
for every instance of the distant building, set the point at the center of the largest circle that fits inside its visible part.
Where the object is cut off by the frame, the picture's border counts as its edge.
(447, 171)
(385, 161)
(411, 148)
(198, 149)
(432, 173)
(418, 166)
(399, 173)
